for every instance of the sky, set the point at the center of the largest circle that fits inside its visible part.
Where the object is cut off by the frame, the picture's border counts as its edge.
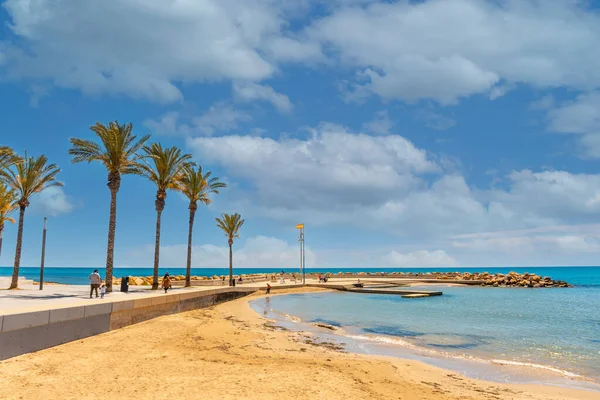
(401, 133)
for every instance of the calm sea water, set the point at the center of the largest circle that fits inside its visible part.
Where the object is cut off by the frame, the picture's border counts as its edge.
(506, 334)
(79, 276)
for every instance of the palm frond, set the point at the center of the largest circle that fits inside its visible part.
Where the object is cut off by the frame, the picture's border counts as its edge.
(230, 224)
(197, 186)
(164, 166)
(117, 150)
(8, 199)
(32, 175)
(8, 158)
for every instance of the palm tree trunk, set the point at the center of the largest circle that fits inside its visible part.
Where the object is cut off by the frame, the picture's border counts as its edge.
(159, 204)
(188, 267)
(156, 251)
(112, 227)
(1, 232)
(230, 265)
(15, 276)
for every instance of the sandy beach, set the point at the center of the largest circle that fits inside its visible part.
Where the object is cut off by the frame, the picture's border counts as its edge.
(229, 351)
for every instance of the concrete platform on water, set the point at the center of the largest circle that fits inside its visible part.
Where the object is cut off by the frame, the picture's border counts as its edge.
(375, 289)
(421, 293)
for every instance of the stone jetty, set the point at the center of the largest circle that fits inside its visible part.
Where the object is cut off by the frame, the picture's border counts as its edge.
(512, 279)
(147, 280)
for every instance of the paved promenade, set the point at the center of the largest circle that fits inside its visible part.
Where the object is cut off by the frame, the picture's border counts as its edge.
(29, 298)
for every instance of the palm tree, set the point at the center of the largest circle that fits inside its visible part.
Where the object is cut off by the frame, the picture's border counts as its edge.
(164, 167)
(7, 206)
(197, 187)
(118, 152)
(26, 178)
(7, 157)
(230, 224)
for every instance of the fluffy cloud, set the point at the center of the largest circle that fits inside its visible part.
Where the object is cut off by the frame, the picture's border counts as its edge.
(434, 120)
(220, 117)
(582, 117)
(381, 124)
(51, 202)
(448, 49)
(168, 124)
(249, 91)
(332, 167)
(145, 48)
(257, 252)
(386, 184)
(437, 49)
(549, 245)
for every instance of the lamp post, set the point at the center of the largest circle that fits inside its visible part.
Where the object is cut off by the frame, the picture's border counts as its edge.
(302, 255)
(303, 259)
(43, 255)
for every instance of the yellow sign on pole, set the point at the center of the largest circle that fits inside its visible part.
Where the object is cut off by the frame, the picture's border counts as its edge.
(300, 226)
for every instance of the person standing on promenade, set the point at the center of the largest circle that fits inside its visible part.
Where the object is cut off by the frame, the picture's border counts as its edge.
(94, 282)
(166, 283)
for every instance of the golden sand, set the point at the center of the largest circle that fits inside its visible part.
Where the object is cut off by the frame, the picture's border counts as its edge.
(230, 352)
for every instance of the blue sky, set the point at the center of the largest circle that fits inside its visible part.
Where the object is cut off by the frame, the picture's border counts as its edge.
(402, 133)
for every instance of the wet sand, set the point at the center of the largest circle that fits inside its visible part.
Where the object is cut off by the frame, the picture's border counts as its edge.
(231, 352)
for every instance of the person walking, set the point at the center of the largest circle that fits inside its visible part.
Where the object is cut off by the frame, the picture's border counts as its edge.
(94, 282)
(166, 283)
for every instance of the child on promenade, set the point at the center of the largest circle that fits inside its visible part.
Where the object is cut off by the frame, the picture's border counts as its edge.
(102, 291)
(166, 283)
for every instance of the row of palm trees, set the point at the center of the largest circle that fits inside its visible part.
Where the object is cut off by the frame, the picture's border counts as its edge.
(121, 153)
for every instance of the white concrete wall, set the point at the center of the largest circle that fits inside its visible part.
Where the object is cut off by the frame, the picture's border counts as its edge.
(36, 330)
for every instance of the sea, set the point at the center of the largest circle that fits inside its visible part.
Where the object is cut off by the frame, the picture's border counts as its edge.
(518, 335)
(513, 335)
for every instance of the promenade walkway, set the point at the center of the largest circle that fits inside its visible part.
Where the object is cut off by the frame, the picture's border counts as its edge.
(29, 298)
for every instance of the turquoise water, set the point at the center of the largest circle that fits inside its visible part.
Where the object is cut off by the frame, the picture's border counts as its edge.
(505, 334)
(79, 276)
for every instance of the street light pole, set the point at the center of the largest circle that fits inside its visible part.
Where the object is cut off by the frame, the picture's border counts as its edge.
(300, 242)
(43, 255)
(302, 256)
(303, 260)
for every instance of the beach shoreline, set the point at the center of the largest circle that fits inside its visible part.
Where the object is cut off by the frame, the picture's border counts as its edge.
(498, 370)
(230, 351)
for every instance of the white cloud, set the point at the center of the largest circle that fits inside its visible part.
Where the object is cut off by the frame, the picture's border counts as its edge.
(549, 245)
(381, 124)
(543, 103)
(220, 117)
(434, 120)
(285, 49)
(498, 91)
(579, 116)
(143, 49)
(256, 252)
(168, 124)
(421, 258)
(331, 167)
(435, 49)
(582, 117)
(51, 202)
(249, 92)
(448, 49)
(386, 184)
